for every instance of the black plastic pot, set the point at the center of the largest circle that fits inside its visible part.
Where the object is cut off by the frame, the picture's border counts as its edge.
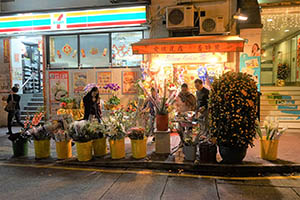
(208, 152)
(20, 147)
(232, 155)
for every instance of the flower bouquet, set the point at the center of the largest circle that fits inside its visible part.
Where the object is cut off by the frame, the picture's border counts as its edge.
(136, 133)
(80, 132)
(99, 139)
(269, 141)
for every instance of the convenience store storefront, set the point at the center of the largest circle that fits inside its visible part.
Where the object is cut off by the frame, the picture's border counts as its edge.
(62, 51)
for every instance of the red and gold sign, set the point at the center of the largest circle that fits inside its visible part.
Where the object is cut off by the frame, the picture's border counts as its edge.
(67, 49)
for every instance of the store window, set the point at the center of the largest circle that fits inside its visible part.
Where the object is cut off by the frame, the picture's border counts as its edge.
(63, 51)
(94, 50)
(121, 49)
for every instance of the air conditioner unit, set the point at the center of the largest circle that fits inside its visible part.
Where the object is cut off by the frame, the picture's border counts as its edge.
(212, 25)
(180, 17)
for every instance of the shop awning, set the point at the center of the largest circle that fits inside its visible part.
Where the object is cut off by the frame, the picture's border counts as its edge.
(196, 44)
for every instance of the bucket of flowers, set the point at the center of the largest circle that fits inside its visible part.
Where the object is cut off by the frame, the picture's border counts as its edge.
(63, 143)
(138, 142)
(80, 132)
(41, 137)
(269, 141)
(99, 138)
(20, 140)
(117, 122)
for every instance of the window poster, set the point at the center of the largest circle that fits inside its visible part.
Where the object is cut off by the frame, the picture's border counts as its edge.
(59, 85)
(129, 79)
(79, 82)
(104, 78)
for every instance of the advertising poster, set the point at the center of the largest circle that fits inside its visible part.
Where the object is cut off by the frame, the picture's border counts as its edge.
(59, 85)
(103, 78)
(6, 50)
(250, 59)
(79, 82)
(128, 82)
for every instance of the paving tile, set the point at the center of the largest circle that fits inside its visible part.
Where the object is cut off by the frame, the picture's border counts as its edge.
(139, 187)
(243, 192)
(189, 188)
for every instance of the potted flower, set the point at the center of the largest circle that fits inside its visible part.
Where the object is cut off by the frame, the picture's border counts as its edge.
(99, 139)
(269, 141)
(113, 100)
(80, 133)
(138, 142)
(190, 148)
(161, 105)
(233, 110)
(20, 140)
(282, 74)
(116, 123)
(63, 142)
(67, 102)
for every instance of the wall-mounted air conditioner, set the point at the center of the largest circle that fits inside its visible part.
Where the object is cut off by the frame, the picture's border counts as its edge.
(212, 25)
(180, 17)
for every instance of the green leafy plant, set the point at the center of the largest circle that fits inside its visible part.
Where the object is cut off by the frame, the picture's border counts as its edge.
(67, 100)
(98, 129)
(233, 109)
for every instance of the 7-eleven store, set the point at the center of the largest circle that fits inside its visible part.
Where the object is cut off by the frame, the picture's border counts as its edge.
(52, 54)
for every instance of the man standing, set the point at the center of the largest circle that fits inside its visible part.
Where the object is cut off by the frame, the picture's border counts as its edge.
(202, 104)
(186, 101)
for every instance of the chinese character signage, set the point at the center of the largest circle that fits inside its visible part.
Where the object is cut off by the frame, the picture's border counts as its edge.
(104, 78)
(189, 48)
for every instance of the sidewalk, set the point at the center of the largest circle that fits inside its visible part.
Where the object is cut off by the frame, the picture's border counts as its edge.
(288, 158)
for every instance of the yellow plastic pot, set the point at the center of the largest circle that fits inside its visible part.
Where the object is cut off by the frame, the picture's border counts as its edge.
(42, 148)
(268, 149)
(84, 151)
(139, 148)
(117, 148)
(99, 147)
(64, 149)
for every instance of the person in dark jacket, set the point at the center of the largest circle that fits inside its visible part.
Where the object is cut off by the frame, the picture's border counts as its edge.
(16, 113)
(91, 103)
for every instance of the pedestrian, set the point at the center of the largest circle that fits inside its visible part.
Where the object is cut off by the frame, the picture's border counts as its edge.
(91, 102)
(13, 109)
(185, 101)
(202, 94)
(149, 105)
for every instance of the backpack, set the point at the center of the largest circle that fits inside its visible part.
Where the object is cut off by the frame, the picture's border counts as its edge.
(11, 105)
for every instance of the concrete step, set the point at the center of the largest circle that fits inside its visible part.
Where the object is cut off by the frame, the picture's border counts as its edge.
(28, 112)
(281, 112)
(36, 103)
(274, 88)
(36, 108)
(279, 107)
(280, 97)
(38, 95)
(286, 92)
(38, 99)
(282, 118)
(288, 125)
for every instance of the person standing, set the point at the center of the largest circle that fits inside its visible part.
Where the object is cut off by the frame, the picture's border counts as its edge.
(91, 103)
(149, 104)
(202, 94)
(14, 97)
(185, 101)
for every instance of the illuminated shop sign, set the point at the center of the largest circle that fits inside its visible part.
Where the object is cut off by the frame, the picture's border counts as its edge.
(111, 17)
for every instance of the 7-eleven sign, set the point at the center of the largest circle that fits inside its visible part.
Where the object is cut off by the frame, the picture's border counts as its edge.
(58, 21)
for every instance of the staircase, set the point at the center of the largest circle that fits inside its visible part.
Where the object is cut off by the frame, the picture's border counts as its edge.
(32, 106)
(282, 104)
